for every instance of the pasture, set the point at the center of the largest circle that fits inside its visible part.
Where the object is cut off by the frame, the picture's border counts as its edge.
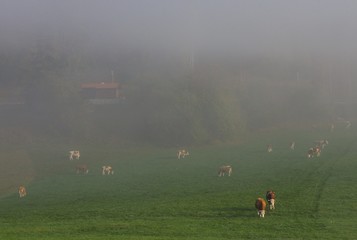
(154, 195)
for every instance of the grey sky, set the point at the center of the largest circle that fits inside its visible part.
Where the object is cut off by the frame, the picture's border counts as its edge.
(234, 26)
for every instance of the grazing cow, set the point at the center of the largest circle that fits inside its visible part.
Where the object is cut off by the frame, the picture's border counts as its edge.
(317, 151)
(107, 170)
(74, 154)
(321, 143)
(270, 196)
(269, 148)
(225, 170)
(83, 168)
(314, 151)
(292, 145)
(348, 124)
(182, 153)
(22, 191)
(260, 205)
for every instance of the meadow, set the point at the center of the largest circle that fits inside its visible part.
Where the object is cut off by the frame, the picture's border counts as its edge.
(153, 195)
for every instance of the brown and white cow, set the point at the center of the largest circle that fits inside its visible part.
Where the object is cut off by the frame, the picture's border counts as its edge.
(315, 151)
(270, 196)
(225, 170)
(83, 168)
(107, 170)
(260, 205)
(269, 148)
(22, 191)
(182, 153)
(74, 154)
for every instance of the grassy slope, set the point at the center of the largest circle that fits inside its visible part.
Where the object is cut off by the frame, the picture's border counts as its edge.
(13, 174)
(155, 196)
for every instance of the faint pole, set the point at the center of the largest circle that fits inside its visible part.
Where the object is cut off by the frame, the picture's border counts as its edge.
(112, 76)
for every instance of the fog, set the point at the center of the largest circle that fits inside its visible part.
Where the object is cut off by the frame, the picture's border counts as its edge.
(226, 27)
(275, 49)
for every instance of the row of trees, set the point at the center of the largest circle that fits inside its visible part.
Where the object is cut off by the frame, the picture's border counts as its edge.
(167, 102)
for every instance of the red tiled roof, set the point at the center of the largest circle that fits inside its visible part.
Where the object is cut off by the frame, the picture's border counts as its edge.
(102, 85)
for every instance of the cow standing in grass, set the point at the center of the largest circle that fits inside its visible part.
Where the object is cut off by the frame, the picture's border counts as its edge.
(22, 191)
(182, 153)
(74, 154)
(270, 196)
(321, 143)
(269, 148)
(107, 170)
(225, 170)
(260, 205)
(315, 151)
(83, 168)
(348, 124)
(292, 145)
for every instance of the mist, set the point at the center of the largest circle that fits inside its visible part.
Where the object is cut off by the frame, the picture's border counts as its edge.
(269, 62)
(274, 27)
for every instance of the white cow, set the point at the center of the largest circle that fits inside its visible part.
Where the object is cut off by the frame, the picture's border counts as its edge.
(346, 122)
(321, 143)
(292, 145)
(74, 154)
(269, 148)
(225, 170)
(182, 153)
(107, 170)
(22, 191)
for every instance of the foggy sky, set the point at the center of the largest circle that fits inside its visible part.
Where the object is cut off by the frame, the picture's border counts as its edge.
(280, 27)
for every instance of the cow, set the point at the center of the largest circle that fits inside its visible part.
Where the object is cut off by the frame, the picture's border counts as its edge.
(74, 154)
(270, 196)
(314, 151)
(348, 124)
(22, 191)
(83, 168)
(292, 145)
(260, 205)
(225, 170)
(107, 170)
(269, 148)
(321, 143)
(182, 153)
(317, 151)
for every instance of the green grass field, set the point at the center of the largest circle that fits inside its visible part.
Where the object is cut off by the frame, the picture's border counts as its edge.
(153, 195)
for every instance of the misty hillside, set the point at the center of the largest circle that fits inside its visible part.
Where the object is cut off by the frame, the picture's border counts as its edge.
(204, 74)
